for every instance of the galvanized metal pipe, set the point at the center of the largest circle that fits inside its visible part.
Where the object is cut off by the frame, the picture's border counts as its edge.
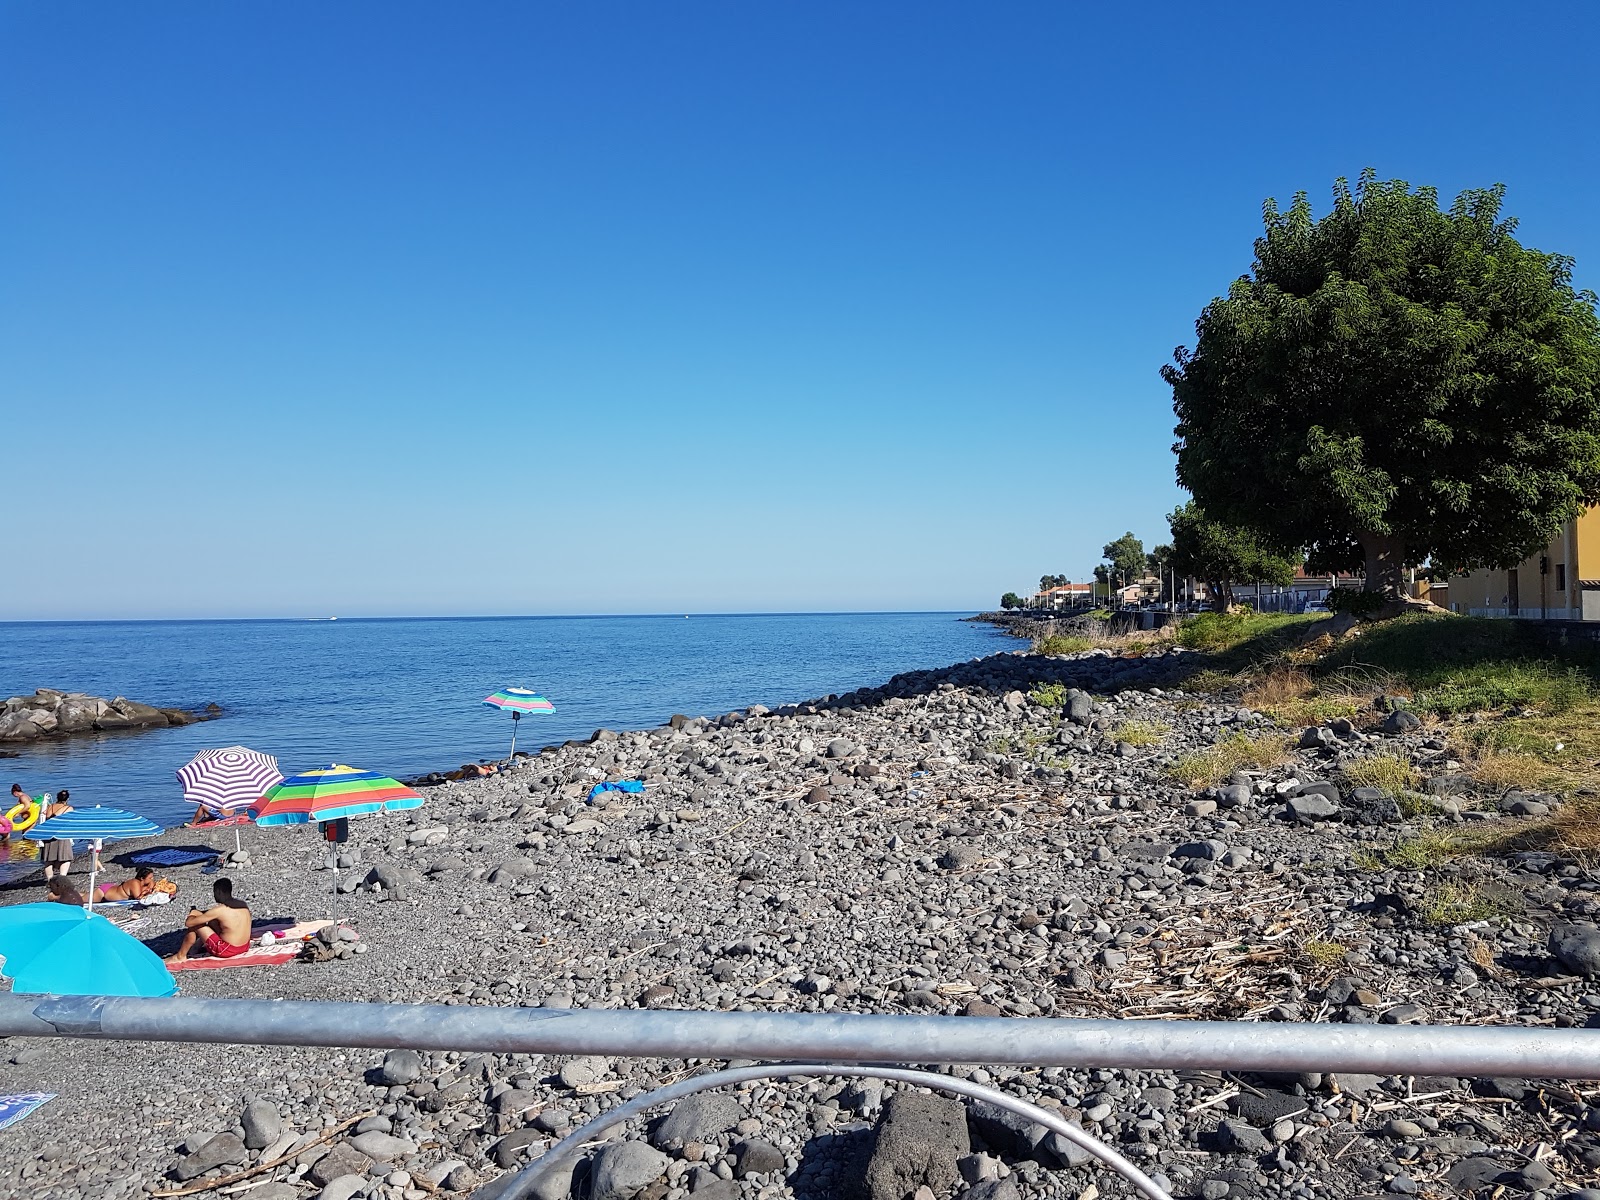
(522, 1186)
(821, 1037)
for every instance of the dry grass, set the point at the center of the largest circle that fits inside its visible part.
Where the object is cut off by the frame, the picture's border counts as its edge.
(1209, 682)
(1393, 774)
(1463, 903)
(1141, 733)
(1420, 853)
(1523, 772)
(1060, 643)
(1211, 766)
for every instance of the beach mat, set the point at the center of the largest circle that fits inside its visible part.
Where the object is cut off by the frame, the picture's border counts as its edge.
(170, 856)
(269, 956)
(14, 1108)
(285, 949)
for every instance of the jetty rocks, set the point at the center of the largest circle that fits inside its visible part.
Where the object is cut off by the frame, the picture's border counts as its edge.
(49, 713)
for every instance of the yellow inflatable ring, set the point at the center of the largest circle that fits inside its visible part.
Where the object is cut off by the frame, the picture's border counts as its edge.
(24, 815)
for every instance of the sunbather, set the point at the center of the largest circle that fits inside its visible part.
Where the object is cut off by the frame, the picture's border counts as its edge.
(224, 929)
(137, 888)
(60, 890)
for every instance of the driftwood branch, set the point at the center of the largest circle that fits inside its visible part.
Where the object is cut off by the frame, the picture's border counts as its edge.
(207, 1185)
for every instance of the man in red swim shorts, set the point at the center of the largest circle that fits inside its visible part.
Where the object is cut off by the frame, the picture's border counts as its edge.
(224, 930)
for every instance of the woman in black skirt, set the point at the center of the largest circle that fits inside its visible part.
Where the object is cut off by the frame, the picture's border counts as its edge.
(57, 851)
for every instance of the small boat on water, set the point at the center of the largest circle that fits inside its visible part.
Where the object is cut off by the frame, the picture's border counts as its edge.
(322, 618)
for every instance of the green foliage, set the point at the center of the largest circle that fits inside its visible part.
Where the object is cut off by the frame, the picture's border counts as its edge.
(1392, 382)
(1356, 603)
(1387, 771)
(1011, 600)
(1463, 903)
(1126, 557)
(1471, 664)
(1061, 643)
(1215, 763)
(1141, 733)
(1221, 554)
(1046, 582)
(1232, 630)
(1049, 695)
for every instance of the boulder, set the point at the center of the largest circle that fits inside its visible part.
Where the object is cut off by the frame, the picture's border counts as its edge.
(1308, 809)
(696, 1119)
(262, 1124)
(1400, 722)
(919, 1140)
(1577, 948)
(343, 1159)
(623, 1169)
(221, 1150)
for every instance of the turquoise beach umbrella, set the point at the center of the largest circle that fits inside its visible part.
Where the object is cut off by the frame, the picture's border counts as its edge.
(64, 950)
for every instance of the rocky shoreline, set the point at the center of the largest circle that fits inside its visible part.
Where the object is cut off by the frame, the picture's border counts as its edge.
(1003, 837)
(52, 714)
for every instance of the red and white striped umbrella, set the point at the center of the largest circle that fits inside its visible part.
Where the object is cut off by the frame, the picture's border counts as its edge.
(228, 781)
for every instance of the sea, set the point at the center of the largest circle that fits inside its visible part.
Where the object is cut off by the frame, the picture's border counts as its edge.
(405, 696)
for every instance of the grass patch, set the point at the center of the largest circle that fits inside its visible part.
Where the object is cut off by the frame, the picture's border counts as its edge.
(1257, 633)
(1209, 682)
(1461, 904)
(1000, 745)
(1326, 955)
(1214, 764)
(1141, 733)
(1394, 775)
(1523, 772)
(1470, 664)
(1049, 695)
(1061, 643)
(1421, 853)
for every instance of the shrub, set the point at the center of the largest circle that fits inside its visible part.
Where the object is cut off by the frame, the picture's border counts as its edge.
(1141, 733)
(1393, 774)
(1049, 695)
(1461, 904)
(1061, 643)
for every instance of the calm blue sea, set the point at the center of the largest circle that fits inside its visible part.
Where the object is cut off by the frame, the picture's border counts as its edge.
(404, 696)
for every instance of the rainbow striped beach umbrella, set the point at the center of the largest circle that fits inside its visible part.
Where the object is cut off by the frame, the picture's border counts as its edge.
(518, 701)
(330, 793)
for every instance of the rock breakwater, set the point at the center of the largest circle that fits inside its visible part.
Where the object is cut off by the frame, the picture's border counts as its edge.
(49, 713)
(1005, 837)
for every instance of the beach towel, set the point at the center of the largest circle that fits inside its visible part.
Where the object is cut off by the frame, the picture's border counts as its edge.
(14, 1108)
(256, 956)
(173, 856)
(627, 785)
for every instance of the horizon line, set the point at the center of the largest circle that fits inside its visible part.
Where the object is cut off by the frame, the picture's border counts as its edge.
(671, 615)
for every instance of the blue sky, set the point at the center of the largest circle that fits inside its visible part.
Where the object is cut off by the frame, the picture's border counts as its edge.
(391, 308)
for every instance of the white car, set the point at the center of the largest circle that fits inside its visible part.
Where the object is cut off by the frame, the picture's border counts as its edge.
(1318, 606)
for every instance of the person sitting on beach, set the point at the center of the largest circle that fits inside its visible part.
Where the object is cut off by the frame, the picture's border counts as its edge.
(137, 888)
(224, 929)
(61, 891)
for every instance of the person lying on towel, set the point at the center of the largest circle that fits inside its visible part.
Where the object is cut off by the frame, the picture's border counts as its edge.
(224, 930)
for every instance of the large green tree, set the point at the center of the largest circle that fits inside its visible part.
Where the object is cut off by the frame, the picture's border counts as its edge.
(1125, 557)
(1011, 600)
(1392, 382)
(1223, 555)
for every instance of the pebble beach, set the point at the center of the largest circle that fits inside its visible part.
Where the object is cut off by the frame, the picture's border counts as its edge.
(1004, 837)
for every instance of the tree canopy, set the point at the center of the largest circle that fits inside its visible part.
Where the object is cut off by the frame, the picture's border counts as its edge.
(1126, 557)
(1223, 555)
(1011, 600)
(1392, 382)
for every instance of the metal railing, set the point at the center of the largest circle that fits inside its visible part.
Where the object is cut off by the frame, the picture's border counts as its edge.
(818, 1043)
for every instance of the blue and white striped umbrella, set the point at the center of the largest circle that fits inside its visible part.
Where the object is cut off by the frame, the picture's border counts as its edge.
(99, 823)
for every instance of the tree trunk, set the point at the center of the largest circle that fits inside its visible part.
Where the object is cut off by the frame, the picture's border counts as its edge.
(1386, 566)
(1221, 596)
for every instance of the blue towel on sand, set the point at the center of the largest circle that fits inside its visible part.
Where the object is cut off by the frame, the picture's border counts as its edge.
(14, 1108)
(627, 785)
(172, 856)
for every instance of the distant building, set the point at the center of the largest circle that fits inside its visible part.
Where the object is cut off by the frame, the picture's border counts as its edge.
(1550, 585)
(1072, 595)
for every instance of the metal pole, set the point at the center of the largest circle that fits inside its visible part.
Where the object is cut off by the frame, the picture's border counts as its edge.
(516, 717)
(542, 1168)
(1470, 1050)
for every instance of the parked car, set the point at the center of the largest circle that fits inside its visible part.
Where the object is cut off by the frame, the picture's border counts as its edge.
(1318, 606)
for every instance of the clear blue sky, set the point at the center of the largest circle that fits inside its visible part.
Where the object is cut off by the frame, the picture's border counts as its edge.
(385, 308)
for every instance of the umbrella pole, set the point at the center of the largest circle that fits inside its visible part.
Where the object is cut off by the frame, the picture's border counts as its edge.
(94, 867)
(515, 718)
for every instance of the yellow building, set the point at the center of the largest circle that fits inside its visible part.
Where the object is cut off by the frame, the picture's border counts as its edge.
(1560, 584)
